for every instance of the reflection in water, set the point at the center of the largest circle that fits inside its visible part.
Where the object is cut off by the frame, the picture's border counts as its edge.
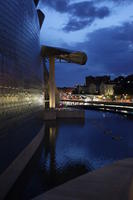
(72, 147)
(53, 174)
(49, 152)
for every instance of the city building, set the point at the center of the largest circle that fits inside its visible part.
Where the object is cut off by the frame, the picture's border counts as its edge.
(21, 72)
(94, 83)
(107, 89)
(124, 85)
(97, 80)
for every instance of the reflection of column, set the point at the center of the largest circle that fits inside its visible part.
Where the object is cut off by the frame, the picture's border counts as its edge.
(52, 82)
(52, 132)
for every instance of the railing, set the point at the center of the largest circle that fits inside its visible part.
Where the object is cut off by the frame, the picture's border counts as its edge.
(120, 107)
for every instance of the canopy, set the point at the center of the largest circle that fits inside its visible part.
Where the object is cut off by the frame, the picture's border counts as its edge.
(70, 56)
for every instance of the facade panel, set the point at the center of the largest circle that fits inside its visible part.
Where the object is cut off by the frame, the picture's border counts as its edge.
(20, 68)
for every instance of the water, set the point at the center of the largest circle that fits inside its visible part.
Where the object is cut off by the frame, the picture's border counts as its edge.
(74, 147)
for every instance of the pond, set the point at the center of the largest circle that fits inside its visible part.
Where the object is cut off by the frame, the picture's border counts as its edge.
(74, 147)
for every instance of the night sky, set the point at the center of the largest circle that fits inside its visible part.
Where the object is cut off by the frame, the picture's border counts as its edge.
(101, 28)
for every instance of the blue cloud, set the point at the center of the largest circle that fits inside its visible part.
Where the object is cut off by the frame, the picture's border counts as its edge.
(111, 49)
(81, 14)
(76, 24)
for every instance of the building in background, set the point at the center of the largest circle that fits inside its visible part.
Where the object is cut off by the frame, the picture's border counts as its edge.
(107, 89)
(93, 83)
(65, 92)
(124, 85)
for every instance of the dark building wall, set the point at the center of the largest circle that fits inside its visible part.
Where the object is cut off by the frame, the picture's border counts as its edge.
(97, 81)
(20, 68)
(41, 17)
(36, 2)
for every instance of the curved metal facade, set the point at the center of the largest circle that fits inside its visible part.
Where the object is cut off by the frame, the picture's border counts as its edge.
(20, 67)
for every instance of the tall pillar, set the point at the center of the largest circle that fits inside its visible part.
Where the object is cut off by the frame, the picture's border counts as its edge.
(52, 82)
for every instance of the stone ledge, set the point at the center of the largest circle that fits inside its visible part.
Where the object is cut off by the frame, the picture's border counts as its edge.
(112, 182)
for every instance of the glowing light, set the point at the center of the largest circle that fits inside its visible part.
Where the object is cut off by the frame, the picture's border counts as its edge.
(41, 100)
(19, 100)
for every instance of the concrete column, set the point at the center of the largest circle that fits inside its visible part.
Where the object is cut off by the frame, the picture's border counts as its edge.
(52, 82)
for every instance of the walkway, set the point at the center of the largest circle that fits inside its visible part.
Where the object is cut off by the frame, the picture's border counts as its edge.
(113, 182)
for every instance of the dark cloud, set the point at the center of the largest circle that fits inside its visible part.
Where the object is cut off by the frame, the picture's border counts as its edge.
(58, 5)
(103, 12)
(83, 9)
(87, 9)
(84, 14)
(81, 14)
(111, 49)
(125, 33)
(75, 24)
(121, 1)
(115, 1)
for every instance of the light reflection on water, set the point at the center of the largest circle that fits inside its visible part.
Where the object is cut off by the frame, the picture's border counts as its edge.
(74, 147)
(59, 168)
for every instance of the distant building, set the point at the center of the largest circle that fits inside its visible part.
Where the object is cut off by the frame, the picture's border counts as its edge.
(89, 80)
(92, 89)
(81, 89)
(67, 90)
(119, 79)
(107, 89)
(97, 80)
(124, 85)
(93, 83)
